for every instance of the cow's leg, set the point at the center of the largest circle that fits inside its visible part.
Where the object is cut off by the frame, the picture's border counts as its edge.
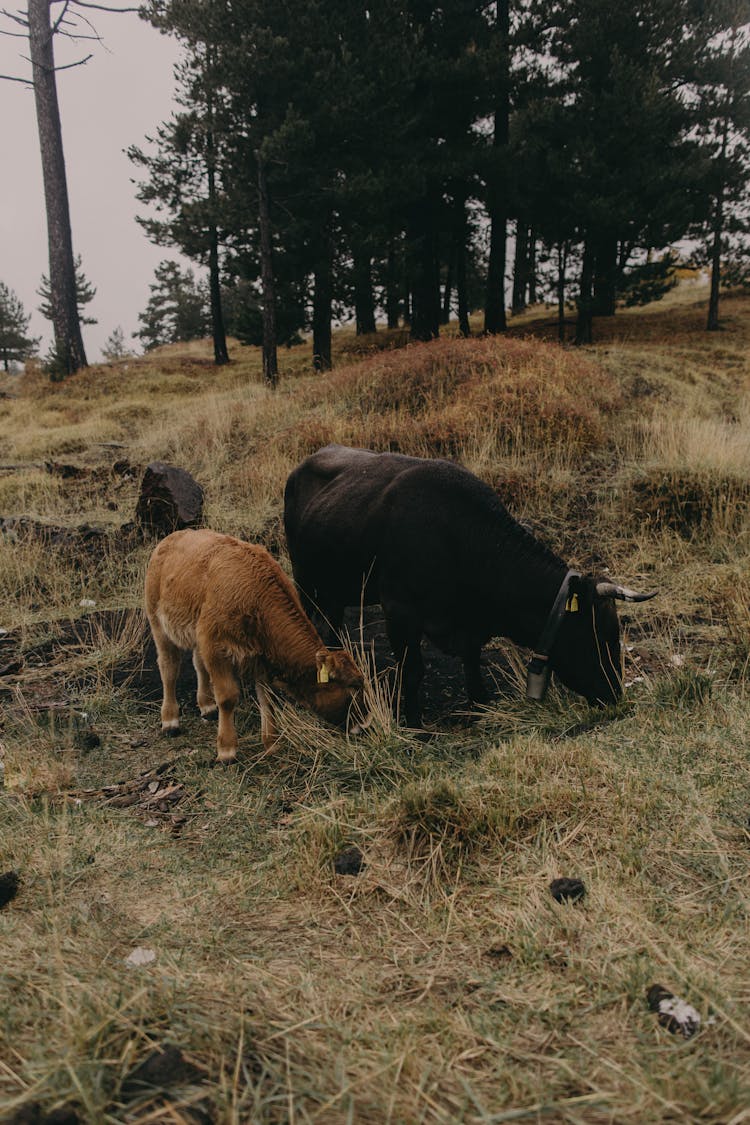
(476, 688)
(405, 636)
(268, 731)
(226, 693)
(205, 696)
(168, 657)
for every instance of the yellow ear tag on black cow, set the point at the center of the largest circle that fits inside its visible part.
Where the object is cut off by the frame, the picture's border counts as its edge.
(571, 605)
(323, 674)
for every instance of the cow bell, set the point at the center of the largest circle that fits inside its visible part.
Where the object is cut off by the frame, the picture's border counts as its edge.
(537, 677)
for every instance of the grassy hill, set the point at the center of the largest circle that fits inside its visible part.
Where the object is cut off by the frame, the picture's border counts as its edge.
(443, 983)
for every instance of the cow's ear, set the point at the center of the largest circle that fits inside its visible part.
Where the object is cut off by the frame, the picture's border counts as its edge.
(324, 670)
(580, 594)
(573, 604)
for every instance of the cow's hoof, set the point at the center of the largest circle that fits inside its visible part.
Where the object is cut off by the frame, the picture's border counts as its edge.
(210, 716)
(171, 732)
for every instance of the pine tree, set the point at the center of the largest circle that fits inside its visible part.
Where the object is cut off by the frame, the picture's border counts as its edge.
(15, 343)
(84, 291)
(184, 171)
(177, 309)
(115, 347)
(721, 84)
(42, 25)
(632, 173)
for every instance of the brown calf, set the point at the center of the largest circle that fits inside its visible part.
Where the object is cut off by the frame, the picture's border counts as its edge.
(233, 606)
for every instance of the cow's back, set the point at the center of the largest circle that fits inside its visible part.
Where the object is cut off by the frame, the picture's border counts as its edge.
(223, 583)
(176, 583)
(425, 532)
(334, 519)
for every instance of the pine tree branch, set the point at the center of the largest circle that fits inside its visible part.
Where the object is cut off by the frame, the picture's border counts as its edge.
(94, 33)
(61, 17)
(102, 7)
(11, 78)
(54, 69)
(16, 19)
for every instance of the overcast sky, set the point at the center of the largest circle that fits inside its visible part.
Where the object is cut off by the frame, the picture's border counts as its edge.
(115, 100)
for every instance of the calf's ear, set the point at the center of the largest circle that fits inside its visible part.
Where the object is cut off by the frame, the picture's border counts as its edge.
(321, 661)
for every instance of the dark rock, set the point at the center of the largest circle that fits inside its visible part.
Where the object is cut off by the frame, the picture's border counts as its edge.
(170, 500)
(164, 1067)
(9, 884)
(567, 890)
(350, 861)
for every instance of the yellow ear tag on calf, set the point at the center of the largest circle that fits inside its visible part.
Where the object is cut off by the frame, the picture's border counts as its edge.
(571, 605)
(323, 674)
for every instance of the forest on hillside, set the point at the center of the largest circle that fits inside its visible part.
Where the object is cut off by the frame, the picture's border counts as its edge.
(374, 157)
(379, 160)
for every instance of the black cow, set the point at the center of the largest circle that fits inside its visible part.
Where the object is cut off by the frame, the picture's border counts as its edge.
(437, 548)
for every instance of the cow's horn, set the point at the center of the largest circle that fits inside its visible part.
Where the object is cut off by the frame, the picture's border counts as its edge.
(611, 590)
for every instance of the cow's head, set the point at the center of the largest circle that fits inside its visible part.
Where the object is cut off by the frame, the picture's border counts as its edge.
(340, 694)
(587, 655)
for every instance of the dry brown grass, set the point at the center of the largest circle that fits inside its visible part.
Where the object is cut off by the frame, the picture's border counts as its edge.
(443, 984)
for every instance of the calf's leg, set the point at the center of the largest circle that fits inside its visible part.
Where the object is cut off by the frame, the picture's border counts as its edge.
(168, 657)
(227, 693)
(205, 696)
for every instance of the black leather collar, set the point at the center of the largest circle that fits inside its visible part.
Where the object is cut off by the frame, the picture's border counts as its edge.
(538, 671)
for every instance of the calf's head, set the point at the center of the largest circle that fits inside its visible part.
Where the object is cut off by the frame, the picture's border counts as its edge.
(340, 692)
(587, 653)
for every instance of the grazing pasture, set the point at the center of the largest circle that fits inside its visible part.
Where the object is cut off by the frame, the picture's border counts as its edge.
(181, 946)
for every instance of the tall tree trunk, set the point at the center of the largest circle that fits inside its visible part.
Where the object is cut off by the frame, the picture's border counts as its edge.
(520, 268)
(392, 287)
(66, 324)
(445, 313)
(562, 263)
(218, 331)
(425, 277)
(460, 254)
(531, 267)
(605, 276)
(322, 302)
(494, 307)
(585, 315)
(364, 304)
(270, 357)
(221, 355)
(712, 323)
(494, 310)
